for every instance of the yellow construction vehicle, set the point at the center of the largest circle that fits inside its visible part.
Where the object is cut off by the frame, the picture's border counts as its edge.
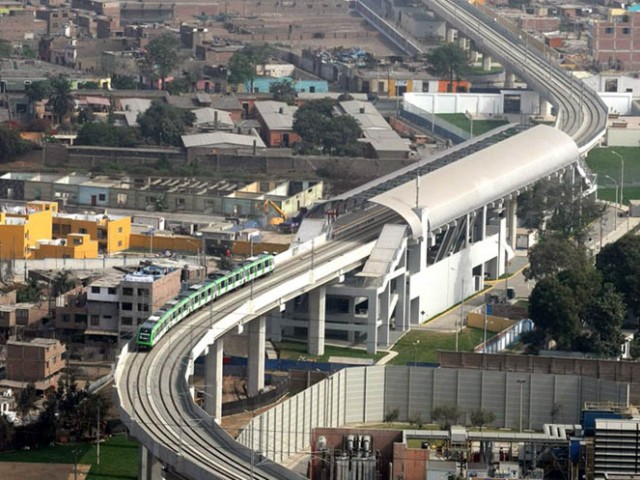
(280, 217)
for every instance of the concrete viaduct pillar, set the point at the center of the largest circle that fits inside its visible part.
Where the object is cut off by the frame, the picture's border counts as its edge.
(256, 355)
(486, 62)
(545, 107)
(512, 222)
(214, 380)
(372, 323)
(149, 468)
(317, 311)
(451, 35)
(509, 79)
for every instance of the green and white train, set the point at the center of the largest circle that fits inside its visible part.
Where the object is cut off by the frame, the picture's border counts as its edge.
(197, 296)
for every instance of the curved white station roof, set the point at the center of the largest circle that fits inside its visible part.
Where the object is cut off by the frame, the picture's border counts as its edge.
(483, 177)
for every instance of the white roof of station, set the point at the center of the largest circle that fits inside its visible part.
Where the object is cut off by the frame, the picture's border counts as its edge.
(483, 177)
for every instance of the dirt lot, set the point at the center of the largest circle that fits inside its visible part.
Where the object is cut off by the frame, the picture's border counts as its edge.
(42, 471)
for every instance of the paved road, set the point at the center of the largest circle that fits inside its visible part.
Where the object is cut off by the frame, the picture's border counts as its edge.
(609, 229)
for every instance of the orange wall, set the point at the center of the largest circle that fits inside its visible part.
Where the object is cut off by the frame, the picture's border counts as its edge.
(86, 249)
(160, 243)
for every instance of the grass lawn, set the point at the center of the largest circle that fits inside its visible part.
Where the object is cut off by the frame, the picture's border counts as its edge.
(431, 342)
(604, 162)
(295, 350)
(118, 458)
(479, 126)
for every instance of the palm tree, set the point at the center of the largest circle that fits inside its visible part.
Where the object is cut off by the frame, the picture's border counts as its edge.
(60, 99)
(63, 282)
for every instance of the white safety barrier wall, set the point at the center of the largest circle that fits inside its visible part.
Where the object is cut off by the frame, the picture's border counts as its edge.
(367, 394)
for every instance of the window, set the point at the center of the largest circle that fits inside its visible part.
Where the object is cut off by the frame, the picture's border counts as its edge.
(102, 197)
(80, 318)
(77, 241)
(626, 30)
(82, 230)
(143, 307)
(119, 243)
(143, 292)
(95, 320)
(119, 229)
(127, 306)
(65, 317)
(128, 291)
(95, 289)
(127, 321)
(608, 30)
(112, 290)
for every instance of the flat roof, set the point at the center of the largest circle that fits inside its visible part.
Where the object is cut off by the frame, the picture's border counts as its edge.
(482, 177)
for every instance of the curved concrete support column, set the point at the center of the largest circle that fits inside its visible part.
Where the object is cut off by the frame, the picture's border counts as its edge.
(451, 35)
(256, 355)
(509, 79)
(486, 62)
(512, 222)
(149, 468)
(372, 324)
(385, 315)
(317, 310)
(545, 107)
(402, 319)
(213, 380)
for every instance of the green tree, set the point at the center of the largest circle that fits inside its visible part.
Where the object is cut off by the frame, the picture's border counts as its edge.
(6, 434)
(319, 128)
(124, 82)
(283, 91)
(178, 86)
(559, 206)
(38, 90)
(106, 135)
(448, 61)
(164, 124)
(446, 415)
(604, 317)
(27, 399)
(162, 57)
(29, 292)
(619, 264)
(63, 281)
(60, 98)
(11, 145)
(554, 312)
(481, 417)
(242, 65)
(5, 49)
(552, 254)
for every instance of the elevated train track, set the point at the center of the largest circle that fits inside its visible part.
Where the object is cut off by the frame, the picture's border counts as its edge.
(153, 392)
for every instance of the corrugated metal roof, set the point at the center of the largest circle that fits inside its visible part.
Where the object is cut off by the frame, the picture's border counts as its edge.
(276, 115)
(217, 138)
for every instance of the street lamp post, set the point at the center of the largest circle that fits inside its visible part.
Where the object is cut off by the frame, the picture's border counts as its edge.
(520, 383)
(415, 352)
(615, 220)
(621, 175)
(458, 327)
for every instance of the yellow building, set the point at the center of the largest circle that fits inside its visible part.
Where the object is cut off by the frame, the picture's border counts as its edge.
(27, 230)
(20, 232)
(76, 245)
(111, 233)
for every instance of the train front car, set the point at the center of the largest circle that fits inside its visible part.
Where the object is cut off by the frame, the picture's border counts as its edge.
(145, 336)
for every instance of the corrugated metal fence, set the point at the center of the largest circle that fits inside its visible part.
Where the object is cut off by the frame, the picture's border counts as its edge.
(366, 394)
